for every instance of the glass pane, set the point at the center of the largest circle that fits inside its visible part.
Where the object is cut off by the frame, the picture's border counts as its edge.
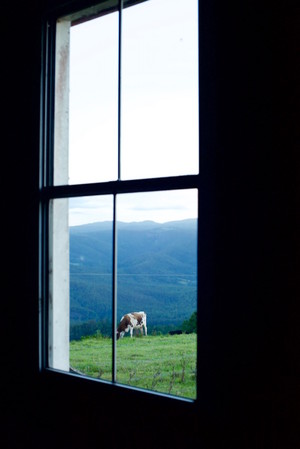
(81, 310)
(157, 277)
(86, 101)
(159, 125)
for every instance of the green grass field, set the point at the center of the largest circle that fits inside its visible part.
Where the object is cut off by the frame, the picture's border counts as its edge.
(161, 363)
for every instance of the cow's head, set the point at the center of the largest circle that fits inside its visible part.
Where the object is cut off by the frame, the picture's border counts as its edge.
(120, 334)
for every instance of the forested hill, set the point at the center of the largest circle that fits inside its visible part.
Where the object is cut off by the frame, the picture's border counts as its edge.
(156, 270)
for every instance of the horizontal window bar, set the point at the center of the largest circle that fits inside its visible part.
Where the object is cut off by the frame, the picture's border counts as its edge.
(116, 187)
(79, 11)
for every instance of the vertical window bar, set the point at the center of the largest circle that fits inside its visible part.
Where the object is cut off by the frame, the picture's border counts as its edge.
(198, 294)
(119, 87)
(42, 273)
(199, 129)
(114, 293)
(114, 318)
(50, 75)
(46, 179)
(43, 287)
(43, 116)
(198, 221)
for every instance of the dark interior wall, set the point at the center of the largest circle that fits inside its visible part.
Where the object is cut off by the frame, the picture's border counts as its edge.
(252, 304)
(248, 364)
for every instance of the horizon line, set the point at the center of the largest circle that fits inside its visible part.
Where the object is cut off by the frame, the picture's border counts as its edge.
(134, 222)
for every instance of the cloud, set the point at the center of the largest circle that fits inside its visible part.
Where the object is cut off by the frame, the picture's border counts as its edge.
(158, 206)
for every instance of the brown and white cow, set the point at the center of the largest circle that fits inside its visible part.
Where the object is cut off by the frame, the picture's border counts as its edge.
(130, 321)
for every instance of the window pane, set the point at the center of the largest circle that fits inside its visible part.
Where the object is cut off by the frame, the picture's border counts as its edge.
(91, 246)
(159, 125)
(82, 235)
(157, 274)
(87, 98)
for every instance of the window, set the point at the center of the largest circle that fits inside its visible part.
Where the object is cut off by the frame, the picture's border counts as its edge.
(119, 194)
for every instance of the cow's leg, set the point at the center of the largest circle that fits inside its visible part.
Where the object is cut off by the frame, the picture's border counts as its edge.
(145, 327)
(131, 331)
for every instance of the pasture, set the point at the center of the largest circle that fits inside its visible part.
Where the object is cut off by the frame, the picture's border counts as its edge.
(163, 363)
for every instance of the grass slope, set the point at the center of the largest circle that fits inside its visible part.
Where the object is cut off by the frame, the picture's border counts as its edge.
(165, 363)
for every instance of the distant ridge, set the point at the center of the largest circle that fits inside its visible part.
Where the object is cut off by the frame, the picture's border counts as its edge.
(99, 225)
(157, 265)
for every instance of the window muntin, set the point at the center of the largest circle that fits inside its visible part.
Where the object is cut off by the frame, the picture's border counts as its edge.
(63, 192)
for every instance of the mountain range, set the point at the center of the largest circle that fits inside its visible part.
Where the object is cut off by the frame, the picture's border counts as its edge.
(156, 270)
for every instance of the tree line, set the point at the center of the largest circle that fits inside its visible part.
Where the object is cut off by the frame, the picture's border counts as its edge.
(104, 328)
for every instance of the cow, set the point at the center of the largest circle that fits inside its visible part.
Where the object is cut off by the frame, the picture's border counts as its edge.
(130, 321)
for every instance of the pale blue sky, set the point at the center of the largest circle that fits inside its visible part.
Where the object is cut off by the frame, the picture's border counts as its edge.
(159, 102)
(155, 206)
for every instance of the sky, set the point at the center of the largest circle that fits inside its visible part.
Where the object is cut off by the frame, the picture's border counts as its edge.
(160, 207)
(159, 108)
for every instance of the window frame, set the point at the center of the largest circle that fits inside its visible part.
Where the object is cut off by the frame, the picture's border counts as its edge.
(48, 191)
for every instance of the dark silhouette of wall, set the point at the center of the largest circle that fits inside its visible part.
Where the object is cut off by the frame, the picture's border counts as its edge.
(248, 362)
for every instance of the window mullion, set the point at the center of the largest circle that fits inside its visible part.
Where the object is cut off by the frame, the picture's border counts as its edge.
(114, 318)
(50, 102)
(119, 87)
(114, 293)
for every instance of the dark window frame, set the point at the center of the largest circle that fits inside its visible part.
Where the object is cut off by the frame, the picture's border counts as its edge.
(48, 191)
